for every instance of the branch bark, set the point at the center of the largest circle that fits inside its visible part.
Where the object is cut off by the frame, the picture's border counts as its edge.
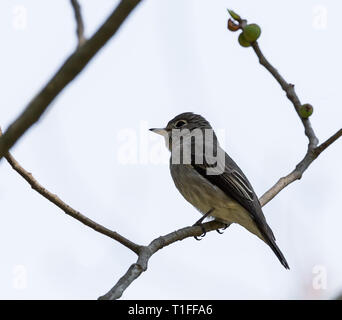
(68, 71)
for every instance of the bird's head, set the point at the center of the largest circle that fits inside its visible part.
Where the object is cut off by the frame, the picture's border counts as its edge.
(184, 124)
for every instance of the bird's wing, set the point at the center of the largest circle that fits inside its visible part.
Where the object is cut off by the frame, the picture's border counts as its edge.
(234, 183)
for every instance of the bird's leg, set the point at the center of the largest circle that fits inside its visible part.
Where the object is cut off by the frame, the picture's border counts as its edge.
(199, 223)
(220, 230)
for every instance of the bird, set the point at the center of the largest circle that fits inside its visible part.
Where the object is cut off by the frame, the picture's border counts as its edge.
(209, 179)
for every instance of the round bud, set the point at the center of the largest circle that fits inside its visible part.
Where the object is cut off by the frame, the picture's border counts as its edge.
(252, 32)
(305, 110)
(242, 40)
(232, 26)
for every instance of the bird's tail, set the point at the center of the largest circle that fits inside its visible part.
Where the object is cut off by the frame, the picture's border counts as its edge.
(266, 234)
(278, 253)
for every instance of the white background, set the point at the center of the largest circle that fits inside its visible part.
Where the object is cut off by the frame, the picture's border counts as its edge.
(92, 148)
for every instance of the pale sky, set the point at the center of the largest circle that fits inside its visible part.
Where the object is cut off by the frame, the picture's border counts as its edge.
(93, 149)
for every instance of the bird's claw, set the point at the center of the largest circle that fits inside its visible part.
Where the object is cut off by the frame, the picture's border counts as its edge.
(221, 230)
(199, 223)
(199, 238)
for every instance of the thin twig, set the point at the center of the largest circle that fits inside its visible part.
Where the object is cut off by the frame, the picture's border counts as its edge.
(328, 142)
(313, 151)
(35, 185)
(79, 22)
(290, 93)
(297, 173)
(68, 71)
(283, 182)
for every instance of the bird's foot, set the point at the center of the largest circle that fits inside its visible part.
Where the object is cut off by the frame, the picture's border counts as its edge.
(199, 223)
(199, 238)
(221, 230)
(204, 232)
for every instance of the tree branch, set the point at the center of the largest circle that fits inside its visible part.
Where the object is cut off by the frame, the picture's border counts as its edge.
(35, 185)
(313, 151)
(68, 71)
(79, 22)
(297, 173)
(283, 182)
(290, 93)
(328, 142)
(136, 269)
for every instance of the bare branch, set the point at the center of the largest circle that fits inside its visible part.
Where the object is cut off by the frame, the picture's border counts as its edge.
(68, 71)
(136, 269)
(79, 22)
(297, 173)
(283, 182)
(66, 208)
(312, 152)
(290, 93)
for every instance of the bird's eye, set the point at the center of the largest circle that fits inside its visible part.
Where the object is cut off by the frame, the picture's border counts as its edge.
(180, 123)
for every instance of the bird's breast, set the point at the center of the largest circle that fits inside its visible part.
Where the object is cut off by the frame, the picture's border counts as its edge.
(199, 191)
(203, 195)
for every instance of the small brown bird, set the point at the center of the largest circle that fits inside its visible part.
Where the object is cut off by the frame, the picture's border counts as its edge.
(210, 180)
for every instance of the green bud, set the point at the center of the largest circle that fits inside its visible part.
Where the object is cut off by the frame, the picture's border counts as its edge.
(252, 32)
(234, 15)
(242, 40)
(305, 110)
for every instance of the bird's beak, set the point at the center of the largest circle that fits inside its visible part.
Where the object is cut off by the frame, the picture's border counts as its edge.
(161, 131)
